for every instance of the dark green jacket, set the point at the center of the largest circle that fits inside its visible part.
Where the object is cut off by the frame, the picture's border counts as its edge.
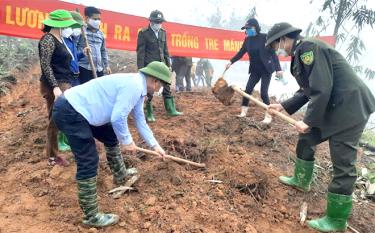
(337, 98)
(150, 48)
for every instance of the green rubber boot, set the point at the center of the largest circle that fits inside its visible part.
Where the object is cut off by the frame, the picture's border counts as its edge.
(303, 172)
(170, 107)
(62, 142)
(149, 112)
(88, 202)
(338, 210)
(117, 165)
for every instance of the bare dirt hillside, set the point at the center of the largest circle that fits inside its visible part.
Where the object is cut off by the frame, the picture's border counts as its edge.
(170, 197)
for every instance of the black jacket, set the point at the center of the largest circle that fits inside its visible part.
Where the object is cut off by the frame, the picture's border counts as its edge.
(54, 61)
(265, 58)
(150, 48)
(181, 61)
(337, 98)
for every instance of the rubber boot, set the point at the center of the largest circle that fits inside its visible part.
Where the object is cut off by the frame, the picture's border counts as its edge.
(88, 201)
(116, 163)
(170, 107)
(243, 111)
(338, 210)
(303, 172)
(267, 118)
(150, 112)
(62, 142)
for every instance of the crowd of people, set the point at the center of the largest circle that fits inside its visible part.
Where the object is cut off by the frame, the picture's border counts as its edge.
(82, 108)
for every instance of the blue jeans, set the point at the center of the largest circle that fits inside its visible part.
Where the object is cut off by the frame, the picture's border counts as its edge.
(80, 135)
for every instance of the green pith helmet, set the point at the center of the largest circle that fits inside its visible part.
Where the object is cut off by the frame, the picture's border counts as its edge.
(279, 30)
(78, 18)
(158, 70)
(156, 16)
(60, 19)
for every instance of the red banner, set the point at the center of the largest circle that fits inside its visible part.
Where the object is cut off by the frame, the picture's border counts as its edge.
(24, 18)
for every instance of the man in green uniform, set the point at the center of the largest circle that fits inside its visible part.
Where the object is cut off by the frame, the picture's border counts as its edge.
(204, 70)
(152, 46)
(339, 105)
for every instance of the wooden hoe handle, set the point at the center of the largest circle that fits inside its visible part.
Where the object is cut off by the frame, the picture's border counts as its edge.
(89, 55)
(172, 157)
(263, 105)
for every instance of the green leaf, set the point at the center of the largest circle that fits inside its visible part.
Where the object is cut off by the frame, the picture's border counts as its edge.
(340, 37)
(364, 16)
(358, 69)
(369, 73)
(355, 48)
(328, 4)
(370, 177)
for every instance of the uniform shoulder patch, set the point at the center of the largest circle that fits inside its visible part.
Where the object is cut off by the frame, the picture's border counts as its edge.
(307, 57)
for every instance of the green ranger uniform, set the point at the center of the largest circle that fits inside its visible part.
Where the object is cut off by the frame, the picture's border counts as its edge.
(152, 47)
(339, 105)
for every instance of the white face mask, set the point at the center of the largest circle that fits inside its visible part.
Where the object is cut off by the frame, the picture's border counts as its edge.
(95, 23)
(76, 32)
(66, 32)
(155, 26)
(281, 51)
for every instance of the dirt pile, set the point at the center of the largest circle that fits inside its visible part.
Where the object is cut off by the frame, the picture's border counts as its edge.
(238, 192)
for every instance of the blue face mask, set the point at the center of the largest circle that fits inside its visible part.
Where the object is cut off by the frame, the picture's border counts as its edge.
(251, 32)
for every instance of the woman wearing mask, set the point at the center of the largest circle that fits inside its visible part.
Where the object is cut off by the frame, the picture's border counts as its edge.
(56, 75)
(71, 43)
(263, 62)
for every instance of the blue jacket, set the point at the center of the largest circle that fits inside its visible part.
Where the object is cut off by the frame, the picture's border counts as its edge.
(77, 55)
(262, 58)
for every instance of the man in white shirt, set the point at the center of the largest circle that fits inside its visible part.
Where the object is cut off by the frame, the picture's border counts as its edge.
(99, 109)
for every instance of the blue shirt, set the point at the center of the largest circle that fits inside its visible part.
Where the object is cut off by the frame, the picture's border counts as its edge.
(98, 48)
(110, 99)
(76, 55)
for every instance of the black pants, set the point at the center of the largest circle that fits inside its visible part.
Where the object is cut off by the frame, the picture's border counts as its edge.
(254, 78)
(343, 150)
(183, 72)
(166, 92)
(85, 75)
(81, 136)
(208, 77)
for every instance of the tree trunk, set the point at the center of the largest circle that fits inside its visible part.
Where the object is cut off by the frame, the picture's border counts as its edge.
(340, 15)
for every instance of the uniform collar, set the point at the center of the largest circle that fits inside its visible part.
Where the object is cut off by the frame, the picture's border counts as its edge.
(155, 32)
(296, 43)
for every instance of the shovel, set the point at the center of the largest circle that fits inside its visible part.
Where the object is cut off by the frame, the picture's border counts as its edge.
(224, 93)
